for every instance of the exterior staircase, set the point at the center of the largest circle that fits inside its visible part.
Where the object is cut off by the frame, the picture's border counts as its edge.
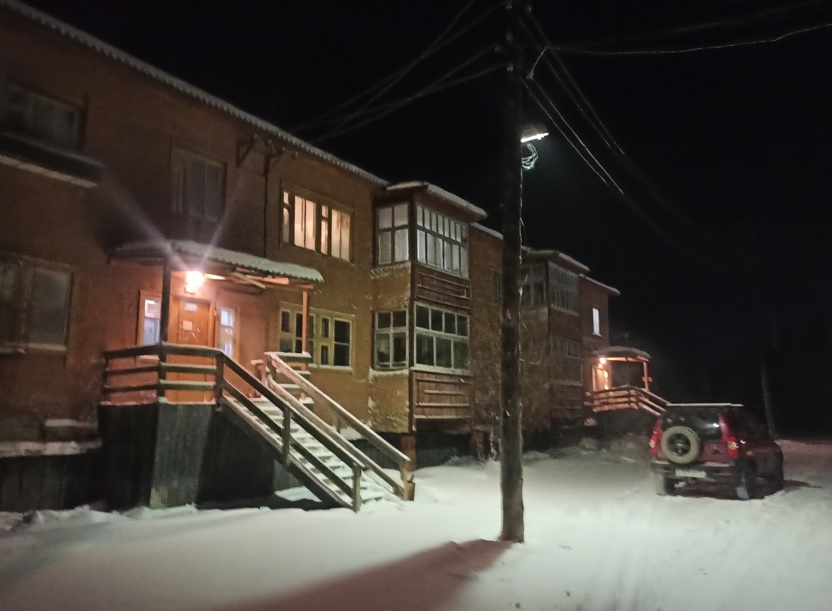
(276, 408)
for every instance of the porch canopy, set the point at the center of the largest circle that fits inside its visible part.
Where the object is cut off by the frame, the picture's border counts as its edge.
(186, 255)
(217, 263)
(622, 353)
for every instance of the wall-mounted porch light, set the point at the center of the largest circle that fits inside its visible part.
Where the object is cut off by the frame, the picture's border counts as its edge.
(193, 280)
(602, 361)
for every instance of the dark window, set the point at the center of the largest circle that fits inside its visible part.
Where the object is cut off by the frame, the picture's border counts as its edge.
(34, 305)
(533, 282)
(391, 340)
(31, 114)
(392, 239)
(441, 338)
(197, 186)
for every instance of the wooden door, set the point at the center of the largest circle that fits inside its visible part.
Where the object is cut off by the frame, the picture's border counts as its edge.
(193, 320)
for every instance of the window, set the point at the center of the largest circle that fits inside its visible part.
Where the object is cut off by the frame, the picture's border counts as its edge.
(441, 242)
(151, 316)
(568, 360)
(596, 321)
(563, 286)
(314, 226)
(533, 282)
(31, 114)
(226, 331)
(392, 238)
(34, 305)
(391, 340)
(328, 337)
(496, 286)
(197, 186)
(441, 338)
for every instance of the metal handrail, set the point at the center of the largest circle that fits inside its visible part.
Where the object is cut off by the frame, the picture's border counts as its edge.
(400, 459)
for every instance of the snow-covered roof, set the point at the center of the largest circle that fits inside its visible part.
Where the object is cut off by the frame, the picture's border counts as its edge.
(622, 352)
(441, 193)
(611, 290)
(207, 252)
(160, 76)
(492, 232)
(557, 256)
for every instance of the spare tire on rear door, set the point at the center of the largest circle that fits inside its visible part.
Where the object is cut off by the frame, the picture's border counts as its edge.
(680, 444)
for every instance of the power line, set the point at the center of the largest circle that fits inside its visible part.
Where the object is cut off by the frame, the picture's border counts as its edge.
(625, 199)
(730, 45)
(439, 81)
(588, 111)
(556, 124)
(696, 27)
(389, 80)
(433, 88)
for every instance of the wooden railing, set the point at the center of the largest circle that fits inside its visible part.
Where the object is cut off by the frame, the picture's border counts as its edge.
(120, 380)
(626, 397)
(404, 488)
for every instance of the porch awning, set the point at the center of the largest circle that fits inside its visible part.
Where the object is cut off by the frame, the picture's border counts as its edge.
(184, 254)
(622, 353)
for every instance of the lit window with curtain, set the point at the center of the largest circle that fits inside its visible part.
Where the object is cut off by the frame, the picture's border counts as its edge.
(315, 226)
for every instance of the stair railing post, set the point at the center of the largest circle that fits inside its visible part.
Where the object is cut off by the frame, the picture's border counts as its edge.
(356, 487)
(286, 434)
(219, 379)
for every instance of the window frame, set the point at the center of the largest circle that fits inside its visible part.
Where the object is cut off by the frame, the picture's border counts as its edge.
(596, 321)
(454, 338)
(180, 203)
(234, 329)
(382, 233)
(28, 131)
(21, 303)
(316, 339)
(390, 333)
(566, 363)
(325, 214)
(563, 290)
(534, 286)
(446, 234)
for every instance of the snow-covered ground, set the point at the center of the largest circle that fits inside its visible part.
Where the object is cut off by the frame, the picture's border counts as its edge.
(598, 538)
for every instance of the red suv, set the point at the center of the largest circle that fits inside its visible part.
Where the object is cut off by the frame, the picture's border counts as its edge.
(717, 444)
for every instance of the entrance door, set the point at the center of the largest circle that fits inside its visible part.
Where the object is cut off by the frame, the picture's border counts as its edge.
(193, 320)
(600, 378)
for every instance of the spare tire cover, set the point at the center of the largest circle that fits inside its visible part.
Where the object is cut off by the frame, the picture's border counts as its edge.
(680, 444)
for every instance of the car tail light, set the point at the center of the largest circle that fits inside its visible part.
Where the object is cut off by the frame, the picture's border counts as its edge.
(655, 438)
(728, 439)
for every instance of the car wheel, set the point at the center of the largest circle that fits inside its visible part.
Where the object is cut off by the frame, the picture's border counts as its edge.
(680, 444)
(746, 487)
(664, 485)
(777, 478)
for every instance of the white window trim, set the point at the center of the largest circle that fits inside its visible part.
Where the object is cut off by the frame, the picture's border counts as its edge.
(596, 321)
(316, 314)
(417, 330)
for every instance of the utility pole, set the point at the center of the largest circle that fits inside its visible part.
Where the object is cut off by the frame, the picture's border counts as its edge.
(511, 434)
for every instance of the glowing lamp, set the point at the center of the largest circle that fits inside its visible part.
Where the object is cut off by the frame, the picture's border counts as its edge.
(193, 280)
(533, 133)
(602, 361)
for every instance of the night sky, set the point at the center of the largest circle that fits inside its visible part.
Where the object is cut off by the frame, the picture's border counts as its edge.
(723, 233)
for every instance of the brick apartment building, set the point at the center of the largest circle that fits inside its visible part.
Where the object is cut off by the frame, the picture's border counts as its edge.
(139, 209)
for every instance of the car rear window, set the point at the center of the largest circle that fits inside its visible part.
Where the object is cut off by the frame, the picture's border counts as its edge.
(702, 420)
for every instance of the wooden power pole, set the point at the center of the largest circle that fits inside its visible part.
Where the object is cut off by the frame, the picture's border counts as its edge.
(511, 434)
